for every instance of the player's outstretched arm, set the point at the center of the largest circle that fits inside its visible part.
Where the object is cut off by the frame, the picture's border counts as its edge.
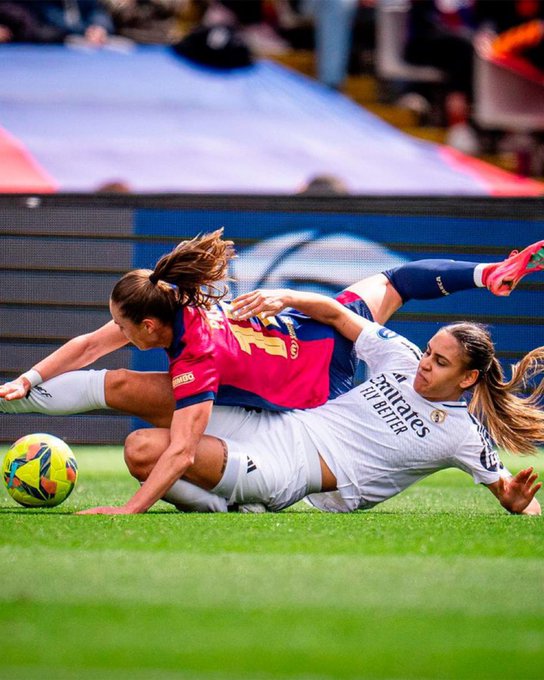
(319, 307)
(517, 494)
(76, 353)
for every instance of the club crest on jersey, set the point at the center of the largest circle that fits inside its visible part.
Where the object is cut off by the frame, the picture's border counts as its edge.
(386, 334)
(438, 416)
(183, 379)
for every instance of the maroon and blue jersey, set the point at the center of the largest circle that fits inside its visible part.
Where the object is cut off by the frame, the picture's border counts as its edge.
(279, 363)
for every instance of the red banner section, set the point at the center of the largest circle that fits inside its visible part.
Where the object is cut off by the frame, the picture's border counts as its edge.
(19, 172)
(499, 182)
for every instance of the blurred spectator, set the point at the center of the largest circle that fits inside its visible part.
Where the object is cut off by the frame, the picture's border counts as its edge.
(334, 21)
(364, 38)
(254, 21)
(88, 19)
(116, 186)
(149, 21)
(324, 185)
(18, 23)
(440, 34)
(219, 46)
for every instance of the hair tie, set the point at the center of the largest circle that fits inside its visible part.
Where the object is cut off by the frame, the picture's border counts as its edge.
(485, 371)
(153, 278)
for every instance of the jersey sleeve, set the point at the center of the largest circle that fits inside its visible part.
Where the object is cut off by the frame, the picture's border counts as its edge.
(384, 350)
(478, 457)
(194, 371)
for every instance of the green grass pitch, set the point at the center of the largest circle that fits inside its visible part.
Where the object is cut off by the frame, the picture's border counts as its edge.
(439, 582)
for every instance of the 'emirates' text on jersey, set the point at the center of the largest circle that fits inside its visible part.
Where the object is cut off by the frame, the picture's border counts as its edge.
(382, 436)
(280, 363)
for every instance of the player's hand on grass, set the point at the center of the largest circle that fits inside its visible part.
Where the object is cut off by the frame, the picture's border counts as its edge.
(261, 301)
(517, 493)
(106, 510)
(16, 389)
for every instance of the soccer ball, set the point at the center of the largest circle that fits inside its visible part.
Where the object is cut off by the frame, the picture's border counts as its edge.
(39, 470)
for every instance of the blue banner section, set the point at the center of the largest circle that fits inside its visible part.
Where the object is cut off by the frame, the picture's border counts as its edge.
(327, 252)
(417, 230)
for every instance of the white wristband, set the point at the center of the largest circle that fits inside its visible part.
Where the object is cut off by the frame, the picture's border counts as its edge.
(33, 377)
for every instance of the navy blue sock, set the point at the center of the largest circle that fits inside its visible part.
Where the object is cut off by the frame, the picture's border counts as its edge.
(428, 279)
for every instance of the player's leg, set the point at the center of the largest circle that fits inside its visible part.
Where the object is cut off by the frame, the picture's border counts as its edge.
(146, 395)
(268, 462)
(385, 293)
(379, 295)
(144, 447)
(67, 394)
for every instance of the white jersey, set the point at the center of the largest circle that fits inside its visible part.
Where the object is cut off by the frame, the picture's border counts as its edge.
(382, 436)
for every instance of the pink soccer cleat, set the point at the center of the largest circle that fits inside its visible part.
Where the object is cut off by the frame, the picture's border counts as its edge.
(501, 278)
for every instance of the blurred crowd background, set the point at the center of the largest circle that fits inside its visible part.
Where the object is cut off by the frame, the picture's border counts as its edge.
(468, 73)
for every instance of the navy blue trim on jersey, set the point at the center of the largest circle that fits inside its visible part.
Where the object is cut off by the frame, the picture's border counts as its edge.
(178, 345)
(489, 458)
(228, 395)
(305, 328)
(358, 305)
(342, 367)
(344, 362)
(195, 399)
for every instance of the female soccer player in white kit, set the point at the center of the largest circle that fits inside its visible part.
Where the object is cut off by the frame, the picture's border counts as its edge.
(412, 280)
(405, 422)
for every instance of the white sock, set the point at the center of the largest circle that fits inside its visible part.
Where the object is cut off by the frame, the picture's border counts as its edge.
(478, 273)
(67, 394)
(190, 498)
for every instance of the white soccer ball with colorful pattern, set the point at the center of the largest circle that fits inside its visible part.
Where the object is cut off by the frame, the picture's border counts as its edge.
(39, 470)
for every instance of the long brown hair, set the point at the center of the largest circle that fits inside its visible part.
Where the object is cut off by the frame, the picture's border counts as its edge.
(194, 273)
(508, 408)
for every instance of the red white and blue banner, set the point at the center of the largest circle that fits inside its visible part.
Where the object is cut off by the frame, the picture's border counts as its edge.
(73, 119)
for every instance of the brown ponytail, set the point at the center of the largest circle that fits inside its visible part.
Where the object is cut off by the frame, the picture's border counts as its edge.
(194, 273)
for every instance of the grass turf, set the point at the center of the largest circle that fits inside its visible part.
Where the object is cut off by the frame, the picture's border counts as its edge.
(437, 583)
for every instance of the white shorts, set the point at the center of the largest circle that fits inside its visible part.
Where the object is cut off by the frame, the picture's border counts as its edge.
(271, 459)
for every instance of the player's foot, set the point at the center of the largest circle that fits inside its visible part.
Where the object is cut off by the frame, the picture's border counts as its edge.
(501, 278)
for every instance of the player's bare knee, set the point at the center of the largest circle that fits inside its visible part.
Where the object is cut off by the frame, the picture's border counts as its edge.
(136, 456)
